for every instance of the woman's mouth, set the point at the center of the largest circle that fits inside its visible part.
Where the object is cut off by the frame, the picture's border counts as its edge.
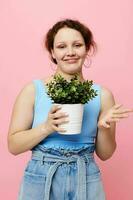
(71, 61)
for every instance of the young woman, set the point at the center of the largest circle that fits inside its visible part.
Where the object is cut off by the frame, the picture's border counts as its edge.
(62, 167)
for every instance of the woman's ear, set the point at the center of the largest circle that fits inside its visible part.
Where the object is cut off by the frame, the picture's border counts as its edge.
(52, 52)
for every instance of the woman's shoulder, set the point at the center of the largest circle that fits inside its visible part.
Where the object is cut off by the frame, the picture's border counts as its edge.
(27, 92)
(29, 87)
(107, 97)
(46, 79)
(104, 90)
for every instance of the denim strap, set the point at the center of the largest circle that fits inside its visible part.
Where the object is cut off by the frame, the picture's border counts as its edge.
(81, 166)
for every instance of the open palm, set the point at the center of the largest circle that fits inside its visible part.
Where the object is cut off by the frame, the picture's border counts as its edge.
(114, 114)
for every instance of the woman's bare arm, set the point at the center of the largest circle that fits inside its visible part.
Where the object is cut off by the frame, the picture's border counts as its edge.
(21, 137)
(105, 141)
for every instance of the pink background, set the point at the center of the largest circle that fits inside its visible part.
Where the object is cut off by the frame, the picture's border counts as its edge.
(22, 59)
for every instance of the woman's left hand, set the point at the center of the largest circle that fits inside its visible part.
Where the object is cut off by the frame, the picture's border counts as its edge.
(114, 114)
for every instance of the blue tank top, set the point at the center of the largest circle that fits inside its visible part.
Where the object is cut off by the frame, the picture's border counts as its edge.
(85, 139)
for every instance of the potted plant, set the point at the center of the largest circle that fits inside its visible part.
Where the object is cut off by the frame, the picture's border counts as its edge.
(71, 96)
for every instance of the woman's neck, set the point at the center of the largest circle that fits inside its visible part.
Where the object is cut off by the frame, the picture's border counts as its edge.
(68, 77)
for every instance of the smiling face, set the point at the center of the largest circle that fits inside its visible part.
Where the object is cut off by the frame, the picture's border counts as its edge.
(69, 50)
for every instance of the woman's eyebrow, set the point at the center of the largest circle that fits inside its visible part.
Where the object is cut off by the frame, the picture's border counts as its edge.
(65, 41)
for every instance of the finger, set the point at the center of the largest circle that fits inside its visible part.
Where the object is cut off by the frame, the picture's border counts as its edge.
(59, 115)
(130, 110)
(111, 120)
(123, 111)
(55, 108)
(60, 121)
(58, 129)
(105, 125)
(115, 120)
(61, 130)
(120, 116)
(116, 106)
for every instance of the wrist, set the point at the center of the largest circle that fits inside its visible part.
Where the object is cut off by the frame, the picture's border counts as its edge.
(44, 129)
(102, 127)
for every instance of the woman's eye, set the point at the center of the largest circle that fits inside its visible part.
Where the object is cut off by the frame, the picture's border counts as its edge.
(61, 47)
(78, 45)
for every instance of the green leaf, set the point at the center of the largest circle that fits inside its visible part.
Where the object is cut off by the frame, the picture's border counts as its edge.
(74, 91)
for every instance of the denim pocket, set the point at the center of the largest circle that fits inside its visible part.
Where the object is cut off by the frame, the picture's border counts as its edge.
(32, 187)
(34, 178)
(35, 171)
(92, 171)
(95, 189)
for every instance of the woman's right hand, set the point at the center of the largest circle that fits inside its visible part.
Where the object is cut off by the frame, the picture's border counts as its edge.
(54, 119)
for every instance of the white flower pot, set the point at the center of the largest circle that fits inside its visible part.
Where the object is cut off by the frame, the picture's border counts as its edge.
(75, 112)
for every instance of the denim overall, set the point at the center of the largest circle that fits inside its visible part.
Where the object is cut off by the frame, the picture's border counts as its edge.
(63, 167)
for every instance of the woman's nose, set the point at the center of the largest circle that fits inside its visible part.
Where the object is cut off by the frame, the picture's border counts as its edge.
(70, 51)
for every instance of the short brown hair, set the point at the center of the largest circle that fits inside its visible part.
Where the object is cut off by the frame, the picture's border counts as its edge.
(74, 24)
